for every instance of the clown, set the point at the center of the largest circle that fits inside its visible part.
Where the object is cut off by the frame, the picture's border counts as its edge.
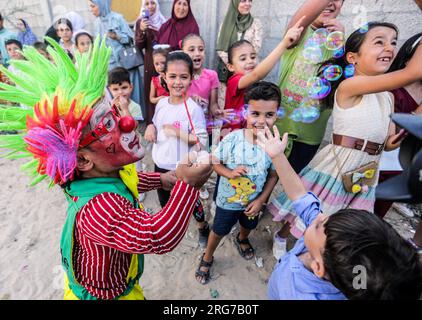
(80, 141)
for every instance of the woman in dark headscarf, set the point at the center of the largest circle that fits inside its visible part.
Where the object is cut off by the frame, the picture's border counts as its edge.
(119, 34)
(238, 24)
(25, 35)
(181, 23)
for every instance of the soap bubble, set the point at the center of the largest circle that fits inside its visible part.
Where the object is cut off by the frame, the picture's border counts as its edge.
(338, 53)
(238, 116)
(296, 115)
(318, 88)
(333, 73)
(215, 123)
(319, 37)
(313, 54)
(281, 113)
(364, 28)
(349, 71)
(335, 40)
(310, 114)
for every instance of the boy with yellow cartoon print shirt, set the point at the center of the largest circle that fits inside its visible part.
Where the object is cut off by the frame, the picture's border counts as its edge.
(246, 176)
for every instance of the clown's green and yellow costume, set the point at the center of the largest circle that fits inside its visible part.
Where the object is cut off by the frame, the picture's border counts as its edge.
(106, 232)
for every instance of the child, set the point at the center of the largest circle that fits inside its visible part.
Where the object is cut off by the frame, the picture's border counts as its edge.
(83, 41)
(361, 120)
(14, 49)
(171, 130)
(242, 63)
(296, 70)
(42, 48)
(121, 89)
(203, 90)
(120, 86)
(246, 176)
(351, 254)
(82, 149)
(204, 87)
(157, 91)
(406, 100)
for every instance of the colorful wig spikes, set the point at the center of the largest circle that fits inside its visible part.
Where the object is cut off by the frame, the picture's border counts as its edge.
(60, 96)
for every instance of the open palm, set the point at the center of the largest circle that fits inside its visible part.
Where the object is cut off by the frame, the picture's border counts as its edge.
(272, 144)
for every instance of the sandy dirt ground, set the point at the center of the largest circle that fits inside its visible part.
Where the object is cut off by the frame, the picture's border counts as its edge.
(31, 220)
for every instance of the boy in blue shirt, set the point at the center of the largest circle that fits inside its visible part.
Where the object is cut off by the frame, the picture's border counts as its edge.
(246, 176)
(352, 254)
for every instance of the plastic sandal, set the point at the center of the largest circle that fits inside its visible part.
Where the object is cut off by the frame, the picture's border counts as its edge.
(248, 253)
(204, 274)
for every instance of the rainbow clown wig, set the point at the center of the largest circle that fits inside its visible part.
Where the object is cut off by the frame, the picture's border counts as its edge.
(61, 96)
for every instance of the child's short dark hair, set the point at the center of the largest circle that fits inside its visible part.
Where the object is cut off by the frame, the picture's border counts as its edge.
(40, 46)
(235, 45)
(359, 241)
(190, 36)
(263, 90)
(118, 75)
(161, 51)
(179, 56)
(14, 41)
(80, 34)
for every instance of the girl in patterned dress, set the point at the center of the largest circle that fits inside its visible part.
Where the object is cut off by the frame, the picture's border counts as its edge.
(362, 107)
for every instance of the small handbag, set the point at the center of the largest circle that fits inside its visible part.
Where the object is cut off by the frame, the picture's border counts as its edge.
(354, 180)
(130, 57)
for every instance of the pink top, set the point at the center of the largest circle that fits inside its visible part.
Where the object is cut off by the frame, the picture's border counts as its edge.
(159, 89)
(203, 86)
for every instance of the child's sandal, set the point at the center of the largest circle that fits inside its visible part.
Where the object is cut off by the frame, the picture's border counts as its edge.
(248, 253)
(205, 275)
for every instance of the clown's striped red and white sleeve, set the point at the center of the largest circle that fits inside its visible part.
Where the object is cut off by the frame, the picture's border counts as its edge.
(148, 181)
(111, 220)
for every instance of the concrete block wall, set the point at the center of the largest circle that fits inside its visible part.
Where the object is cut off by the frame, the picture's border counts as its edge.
(274, 15)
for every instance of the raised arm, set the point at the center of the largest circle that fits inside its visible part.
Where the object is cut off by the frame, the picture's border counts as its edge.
(274, 147)
(311, 9)
(111, 220)
(262, 69)
(140, 34)
(360, 85)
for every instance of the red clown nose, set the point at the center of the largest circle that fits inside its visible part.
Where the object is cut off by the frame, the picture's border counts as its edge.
(127, 124)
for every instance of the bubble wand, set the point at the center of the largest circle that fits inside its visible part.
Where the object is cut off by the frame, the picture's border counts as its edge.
(191, 123)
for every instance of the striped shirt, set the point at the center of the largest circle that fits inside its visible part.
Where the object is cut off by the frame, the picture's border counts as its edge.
(108, 230)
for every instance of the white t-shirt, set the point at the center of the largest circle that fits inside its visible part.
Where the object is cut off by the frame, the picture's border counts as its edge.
(135, 111)
(167, 151)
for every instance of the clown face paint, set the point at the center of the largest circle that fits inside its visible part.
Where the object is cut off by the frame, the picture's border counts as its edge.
(116, 148)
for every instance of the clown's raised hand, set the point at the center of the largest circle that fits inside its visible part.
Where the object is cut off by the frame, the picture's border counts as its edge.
(195, 169)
